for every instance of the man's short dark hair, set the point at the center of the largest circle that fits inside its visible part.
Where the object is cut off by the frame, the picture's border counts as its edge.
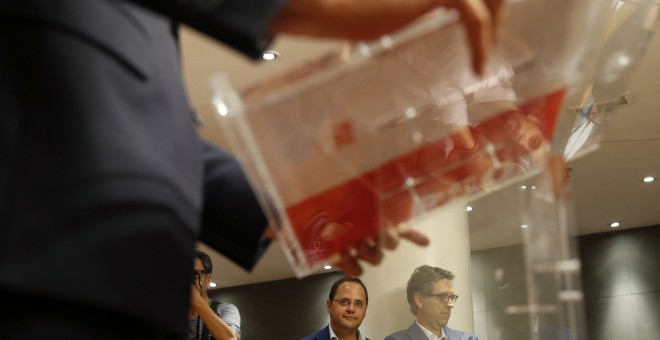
(422, 280)
(333, 289)
(206, 261)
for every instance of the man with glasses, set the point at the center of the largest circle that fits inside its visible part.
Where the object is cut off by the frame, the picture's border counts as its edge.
(431, 298)
(347, 307)
(210, 319)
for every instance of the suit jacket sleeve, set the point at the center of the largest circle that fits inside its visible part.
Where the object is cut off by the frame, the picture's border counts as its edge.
(232, 219)
(241, 24)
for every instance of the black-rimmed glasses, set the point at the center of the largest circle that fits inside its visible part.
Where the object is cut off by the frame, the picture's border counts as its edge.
(347, 303)
(197, 275)
(445, 297)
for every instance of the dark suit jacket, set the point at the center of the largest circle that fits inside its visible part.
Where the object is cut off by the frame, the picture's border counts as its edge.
(323, 334)
(104, 183)
(414, 332)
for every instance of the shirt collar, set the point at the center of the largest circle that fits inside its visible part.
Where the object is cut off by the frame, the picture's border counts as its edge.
(430, 335)
(334, 337)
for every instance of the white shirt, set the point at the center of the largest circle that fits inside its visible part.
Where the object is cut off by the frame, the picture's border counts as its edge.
(334, 337)
(431, 335)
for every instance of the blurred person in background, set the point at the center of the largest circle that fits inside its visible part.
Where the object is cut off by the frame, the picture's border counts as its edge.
(210, 319)
(105, 184)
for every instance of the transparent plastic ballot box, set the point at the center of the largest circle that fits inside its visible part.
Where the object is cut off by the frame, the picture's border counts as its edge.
(345, 146)
(620, 47)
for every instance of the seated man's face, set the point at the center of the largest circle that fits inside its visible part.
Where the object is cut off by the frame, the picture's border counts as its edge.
(433, 313)
(348, 307)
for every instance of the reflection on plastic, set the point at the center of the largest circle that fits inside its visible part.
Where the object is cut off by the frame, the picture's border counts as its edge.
(353, 142)
(332, 220)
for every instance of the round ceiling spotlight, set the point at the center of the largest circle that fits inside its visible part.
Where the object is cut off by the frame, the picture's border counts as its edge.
(648, 179)
(615, 224)
(270, 55)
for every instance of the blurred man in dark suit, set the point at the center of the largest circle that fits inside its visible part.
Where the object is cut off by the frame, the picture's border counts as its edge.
(104, 183)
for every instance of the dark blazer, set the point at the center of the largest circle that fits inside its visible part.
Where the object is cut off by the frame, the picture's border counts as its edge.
(104, 182)
(323, 334)
(414, 332)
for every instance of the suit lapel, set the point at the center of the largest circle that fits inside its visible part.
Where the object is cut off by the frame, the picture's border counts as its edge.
(415, 332)
(451, 334)
(324, 334)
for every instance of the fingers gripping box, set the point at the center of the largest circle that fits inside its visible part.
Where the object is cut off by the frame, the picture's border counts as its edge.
(364, 139)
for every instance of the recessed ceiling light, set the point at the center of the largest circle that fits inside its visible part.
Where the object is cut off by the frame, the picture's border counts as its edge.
(212, 285)
(524, 226)
(615, 224)
(270, 55)
(327, 267)
(649, 179)
(468, 208)
(624, 60)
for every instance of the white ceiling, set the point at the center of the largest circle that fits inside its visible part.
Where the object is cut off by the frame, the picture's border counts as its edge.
(607, 184)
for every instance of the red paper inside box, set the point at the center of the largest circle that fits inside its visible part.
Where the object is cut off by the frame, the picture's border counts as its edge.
(337, 218)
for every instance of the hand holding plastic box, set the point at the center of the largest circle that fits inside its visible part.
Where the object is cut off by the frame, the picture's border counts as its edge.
(342, 148)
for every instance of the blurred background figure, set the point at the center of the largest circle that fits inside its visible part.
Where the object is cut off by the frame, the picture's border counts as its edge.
(210, 319)
(105, 184)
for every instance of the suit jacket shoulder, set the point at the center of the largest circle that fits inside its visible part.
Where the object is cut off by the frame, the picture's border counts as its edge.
(414, 332)
(411, 333)
(114, 26)
(241, 24)
(399, 335)
(459, 335)
(323, 334)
